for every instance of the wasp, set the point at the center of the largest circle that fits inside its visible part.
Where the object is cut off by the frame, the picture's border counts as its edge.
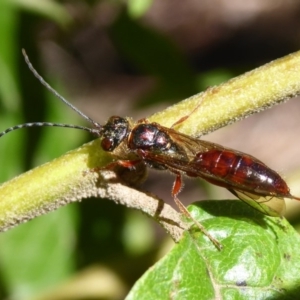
(243, 175)
(164, 148)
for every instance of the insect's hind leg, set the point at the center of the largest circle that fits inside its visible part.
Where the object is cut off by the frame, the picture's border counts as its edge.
(175, 191)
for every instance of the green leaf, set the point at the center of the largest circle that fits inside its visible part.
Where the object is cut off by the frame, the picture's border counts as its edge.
(260, 258)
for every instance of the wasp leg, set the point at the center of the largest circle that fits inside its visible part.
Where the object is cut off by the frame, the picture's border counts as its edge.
(175, 191)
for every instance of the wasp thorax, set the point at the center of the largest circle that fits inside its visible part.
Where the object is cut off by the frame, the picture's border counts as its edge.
(114, 132)
(149, 137)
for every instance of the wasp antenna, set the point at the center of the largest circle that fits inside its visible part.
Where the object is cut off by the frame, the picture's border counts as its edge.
(52, 90)
(95, 131)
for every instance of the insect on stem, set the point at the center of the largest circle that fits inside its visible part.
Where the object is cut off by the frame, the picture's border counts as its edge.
(125, 141)
(162, 148)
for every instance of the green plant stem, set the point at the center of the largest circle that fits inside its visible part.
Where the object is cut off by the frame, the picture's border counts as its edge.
(71, 178)
(240, 97)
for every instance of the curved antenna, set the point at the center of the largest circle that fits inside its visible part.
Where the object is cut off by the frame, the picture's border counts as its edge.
(42, 124)
(52, 90)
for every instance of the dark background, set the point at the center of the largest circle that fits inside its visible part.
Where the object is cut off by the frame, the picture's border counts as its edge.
(111, 58)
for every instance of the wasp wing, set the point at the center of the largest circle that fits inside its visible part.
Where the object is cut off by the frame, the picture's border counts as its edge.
(268, 205)
(191, 146)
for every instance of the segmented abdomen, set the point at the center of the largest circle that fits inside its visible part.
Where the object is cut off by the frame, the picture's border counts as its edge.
(240, 170)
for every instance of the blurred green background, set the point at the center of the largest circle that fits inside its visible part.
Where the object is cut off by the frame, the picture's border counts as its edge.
(129, 58)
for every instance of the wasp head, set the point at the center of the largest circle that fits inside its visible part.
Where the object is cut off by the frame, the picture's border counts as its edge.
(114, 132)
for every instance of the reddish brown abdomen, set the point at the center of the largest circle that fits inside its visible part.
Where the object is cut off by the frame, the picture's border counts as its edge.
(241, 171)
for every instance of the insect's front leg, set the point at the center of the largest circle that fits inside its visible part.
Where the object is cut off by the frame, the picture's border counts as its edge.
(132, 172)
(129, 164)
